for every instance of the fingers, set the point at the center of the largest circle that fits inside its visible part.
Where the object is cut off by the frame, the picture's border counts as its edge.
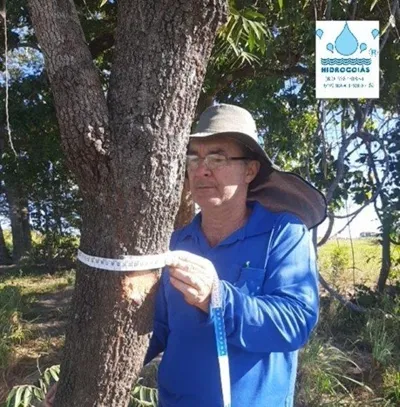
(178, 257)
(191, 294)
(194, 278)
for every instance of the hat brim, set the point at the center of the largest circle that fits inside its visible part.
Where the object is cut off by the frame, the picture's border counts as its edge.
(277, 190)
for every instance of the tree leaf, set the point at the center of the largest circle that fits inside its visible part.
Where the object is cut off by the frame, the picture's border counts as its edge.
(280, 4)
(10, 397)
(27, 396)
(373, 5)
(103, 2)
(18, 396)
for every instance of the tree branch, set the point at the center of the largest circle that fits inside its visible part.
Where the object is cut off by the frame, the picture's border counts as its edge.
(340, 165)
(381, 182)
(263, 72)
(134, 90)
(328, 232)
(395, 7)
(348, 304)
(79, 99)
(101, 43)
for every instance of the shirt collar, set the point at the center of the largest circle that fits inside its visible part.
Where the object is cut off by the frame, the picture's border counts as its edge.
(260, 221)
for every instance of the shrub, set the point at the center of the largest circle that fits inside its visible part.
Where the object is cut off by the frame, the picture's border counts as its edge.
(339, 261)
(322, 374)
(11, 329)
(55, 250)
(391, 385)
(28, 395)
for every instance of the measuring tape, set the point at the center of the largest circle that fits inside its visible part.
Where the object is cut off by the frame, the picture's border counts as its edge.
(156, 261)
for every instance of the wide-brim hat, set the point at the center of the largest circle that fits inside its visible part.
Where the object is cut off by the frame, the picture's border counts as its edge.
(277, 190)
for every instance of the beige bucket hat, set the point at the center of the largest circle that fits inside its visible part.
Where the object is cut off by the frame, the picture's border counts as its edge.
(277, 190)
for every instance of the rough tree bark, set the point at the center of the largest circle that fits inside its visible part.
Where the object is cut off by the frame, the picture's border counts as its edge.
(19, 218)
(386, 260)
(127, 153)
(186, 210)
(5, 257)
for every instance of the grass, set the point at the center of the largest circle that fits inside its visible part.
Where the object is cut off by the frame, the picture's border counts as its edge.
(353, 359)
(33, 285)
(336, 261)
(24, 345)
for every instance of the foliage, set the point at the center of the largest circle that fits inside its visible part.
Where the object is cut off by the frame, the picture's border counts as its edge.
(35, 165)
(391, 385)
(11, 329)
(322, 373)
(26, 395)
(243, 36)
(366, 261)
(55, 250)
(352, 358)
(143, 396)
(339, 261)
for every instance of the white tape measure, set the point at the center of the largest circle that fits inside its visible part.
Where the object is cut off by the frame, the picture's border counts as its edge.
(126, 263)
(156, 261)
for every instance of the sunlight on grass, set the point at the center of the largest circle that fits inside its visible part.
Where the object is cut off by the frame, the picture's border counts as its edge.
(336, 262)
(39, 284)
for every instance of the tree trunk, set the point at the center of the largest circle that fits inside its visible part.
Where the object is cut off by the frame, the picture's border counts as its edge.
(186, 208)
(127, 154)
(5, 257)
(386, 261)
(19, 217)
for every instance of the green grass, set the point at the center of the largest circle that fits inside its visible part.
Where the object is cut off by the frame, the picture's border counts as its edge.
(31, 283)
(21, 347)
(353, 359)
(344, 262)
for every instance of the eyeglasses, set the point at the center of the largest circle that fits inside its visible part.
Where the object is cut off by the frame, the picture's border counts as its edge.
(211, 161)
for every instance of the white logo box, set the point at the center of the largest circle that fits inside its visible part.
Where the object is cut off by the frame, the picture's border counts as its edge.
(347, 59)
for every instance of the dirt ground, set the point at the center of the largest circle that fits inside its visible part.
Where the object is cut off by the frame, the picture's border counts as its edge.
(45, 322)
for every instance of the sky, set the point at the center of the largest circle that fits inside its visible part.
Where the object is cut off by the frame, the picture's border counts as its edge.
(366, 221)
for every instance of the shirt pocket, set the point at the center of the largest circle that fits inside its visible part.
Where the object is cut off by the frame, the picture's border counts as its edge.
(250, 280)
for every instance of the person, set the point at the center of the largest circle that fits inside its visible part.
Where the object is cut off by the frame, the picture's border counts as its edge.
(252, 231)
(251, 237)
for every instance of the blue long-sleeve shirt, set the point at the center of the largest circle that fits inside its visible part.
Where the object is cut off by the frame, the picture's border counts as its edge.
(270, 302)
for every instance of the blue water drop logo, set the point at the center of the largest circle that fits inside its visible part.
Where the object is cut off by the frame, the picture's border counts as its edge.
(329, 47)
(375, 33)
(346, 43)
(319, 33)
(363, 47)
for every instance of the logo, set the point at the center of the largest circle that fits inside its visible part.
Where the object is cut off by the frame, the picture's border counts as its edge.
(347, 59)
